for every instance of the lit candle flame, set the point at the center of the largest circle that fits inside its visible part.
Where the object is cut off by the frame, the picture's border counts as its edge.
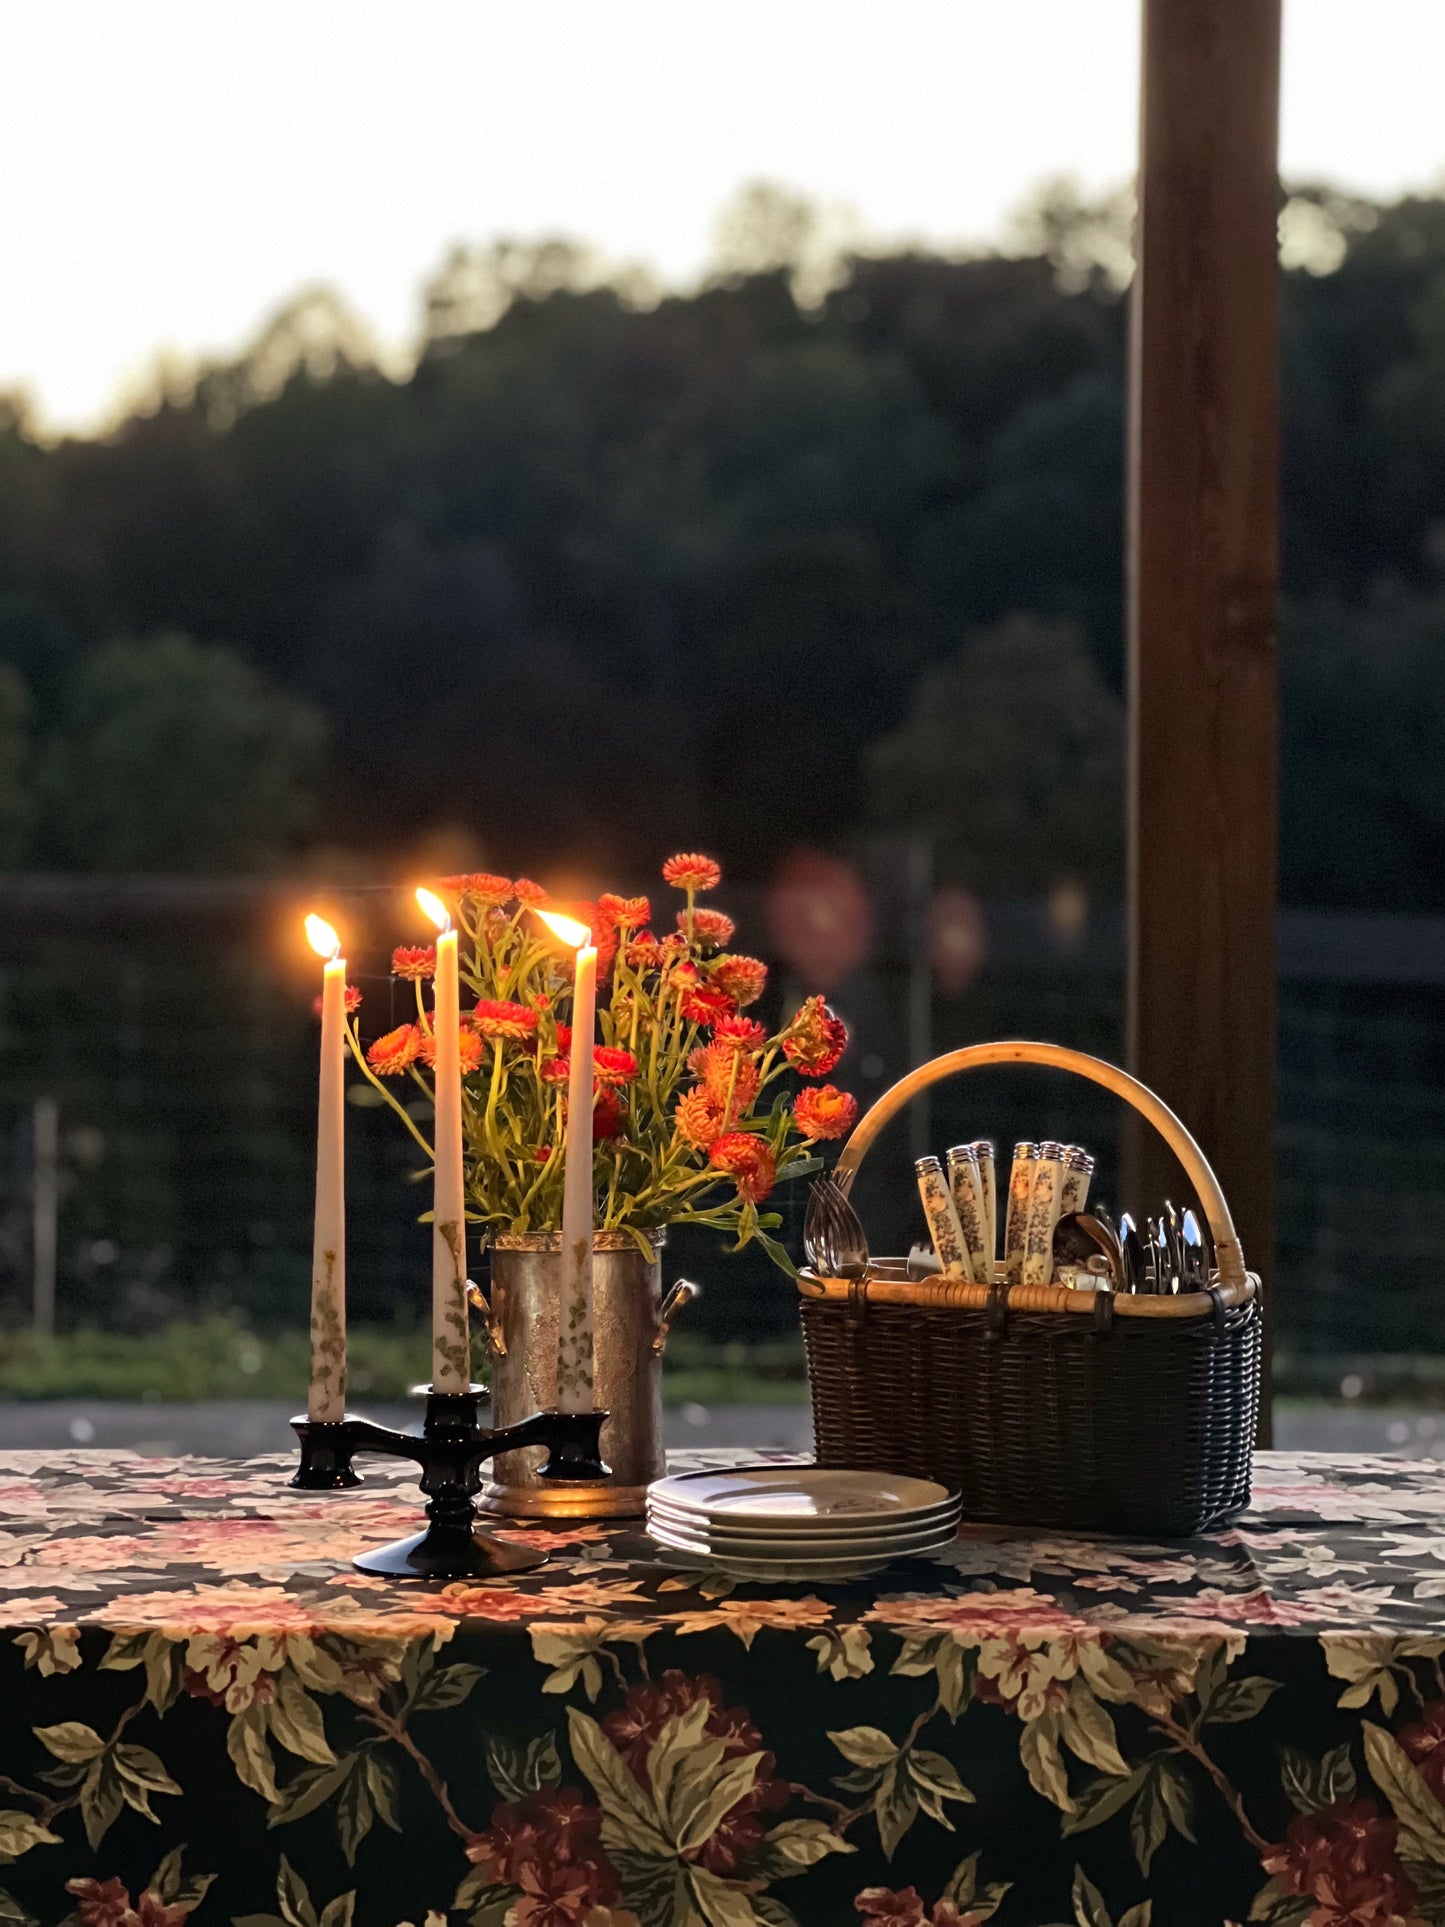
(435, 909)
(572, 933)
(322, 938)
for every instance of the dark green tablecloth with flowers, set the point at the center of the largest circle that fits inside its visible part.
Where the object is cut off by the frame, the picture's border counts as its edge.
(204, 1710)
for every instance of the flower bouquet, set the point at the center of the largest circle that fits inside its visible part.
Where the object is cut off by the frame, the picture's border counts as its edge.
(694, 1120)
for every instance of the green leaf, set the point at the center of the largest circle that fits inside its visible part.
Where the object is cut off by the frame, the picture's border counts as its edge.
(312, 1787)
(338, 1912)
(1279, 1909)
(294, 1896)
(865, 1746)
(354, 1809)
(447, 1687)
(1088, 1732)
(935, 1780)
(634, 1819)
(506, 1766)
(1043, 1762)
(655, 1888)
(772, 1912)
(1138, 1916)
(895, 1808)
(165, 1668)
(1178, 1797)
(70, 1741)
(383, 1784)
(1421, 1817)
(142, 1769)
(963, 1891)
(1089, 1908)
(681, 1763)
(1100, 1800)
(1337, 1774)
(543, 1767)
(1148, 1823)
(795, 1845)
(19, 1832)
(258, 1920)
(12, 1914)
(102, 1796)
(1239, 1699)
(250, 1755)
(295, 1720)
(719, 1902)
(124, 1651)
(698, 1811)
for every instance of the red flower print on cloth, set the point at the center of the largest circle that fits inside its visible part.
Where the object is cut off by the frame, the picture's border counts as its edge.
(635, 1728)
(1344, 1859)
(550, 1846)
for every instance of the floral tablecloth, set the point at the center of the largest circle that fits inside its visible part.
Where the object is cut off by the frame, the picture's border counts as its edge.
(204, 1709)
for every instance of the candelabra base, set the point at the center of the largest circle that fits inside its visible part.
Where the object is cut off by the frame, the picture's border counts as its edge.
(450, 1449)
(326, 1449)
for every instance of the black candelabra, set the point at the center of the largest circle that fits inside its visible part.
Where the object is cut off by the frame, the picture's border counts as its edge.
(451, 1449)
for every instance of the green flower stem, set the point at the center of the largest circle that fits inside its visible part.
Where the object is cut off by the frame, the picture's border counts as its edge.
(360, 1056)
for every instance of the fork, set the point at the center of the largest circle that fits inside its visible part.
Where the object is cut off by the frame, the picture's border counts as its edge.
(833, 1234)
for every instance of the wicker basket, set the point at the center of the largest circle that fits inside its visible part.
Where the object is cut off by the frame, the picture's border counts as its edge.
(1048, 1406)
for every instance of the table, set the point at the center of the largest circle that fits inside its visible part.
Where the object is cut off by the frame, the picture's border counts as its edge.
(203, 1708)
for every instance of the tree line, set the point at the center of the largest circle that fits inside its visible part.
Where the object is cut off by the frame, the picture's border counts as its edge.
(825, 547)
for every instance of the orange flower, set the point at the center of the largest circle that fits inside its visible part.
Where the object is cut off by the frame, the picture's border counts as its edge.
(698, 1120)
(815, 1039)
(747, 1161)
(824, 1112)
(644, 952)
(692, 872)
(623, 913)
(708, 926)
(389, 1056)
(481, 887)
(497, 1019)
(469, 1049)
(352, 1001)
(414, 963)
(525, 891)
(554, 1070)
(740, 1033)
(702, 1001)
(730, 1078)
(743, 978)
(613, 1066)
(608, 1117)
(564, 1038)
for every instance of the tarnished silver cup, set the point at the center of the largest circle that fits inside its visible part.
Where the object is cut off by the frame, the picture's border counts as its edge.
(630, 1323)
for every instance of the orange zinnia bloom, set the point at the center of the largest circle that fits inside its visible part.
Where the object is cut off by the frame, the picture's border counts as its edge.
(525, 891)
(494, 1018)
(697, 1118)
(414, 963)
(469, 1050)
(351, 1001)
(747, 1161)
(554, 1070)
(389, 1056)
(824, 1112)
(623, 913)
(740, 1033)
(481, 887)
(730, 1078)
(692, 872)
(613, 1066)
(743, 978)
(815, 1039)
(708, 926)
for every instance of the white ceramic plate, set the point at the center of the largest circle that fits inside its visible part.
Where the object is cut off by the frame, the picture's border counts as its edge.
(789, 1552)
(802, 1497)
(816, 1540)
(779, 1571)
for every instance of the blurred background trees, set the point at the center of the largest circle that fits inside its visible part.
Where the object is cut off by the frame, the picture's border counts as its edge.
(788, 524)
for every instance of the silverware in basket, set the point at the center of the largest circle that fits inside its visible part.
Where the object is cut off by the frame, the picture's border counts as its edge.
(833, 1235)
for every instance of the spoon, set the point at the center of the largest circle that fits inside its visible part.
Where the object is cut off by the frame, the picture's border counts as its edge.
(1160, 1256)
(1133, 1254)
(1176, 1244)
(1196, 1263)
(1079, 1236)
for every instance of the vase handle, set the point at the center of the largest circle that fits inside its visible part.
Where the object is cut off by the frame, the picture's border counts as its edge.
(491, 1324)
(682, 1293)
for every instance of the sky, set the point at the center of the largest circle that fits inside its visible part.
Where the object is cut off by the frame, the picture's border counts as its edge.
(170, 172)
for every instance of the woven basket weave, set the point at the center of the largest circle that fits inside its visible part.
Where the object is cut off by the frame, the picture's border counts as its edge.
(1052, 1407)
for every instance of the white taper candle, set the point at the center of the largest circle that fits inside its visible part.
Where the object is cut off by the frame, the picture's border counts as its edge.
(326, 1391)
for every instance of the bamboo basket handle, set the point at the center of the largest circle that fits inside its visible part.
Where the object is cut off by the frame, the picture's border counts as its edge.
(1228, 1255)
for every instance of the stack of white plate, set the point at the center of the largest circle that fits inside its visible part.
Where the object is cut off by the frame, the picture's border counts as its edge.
(791, 1522)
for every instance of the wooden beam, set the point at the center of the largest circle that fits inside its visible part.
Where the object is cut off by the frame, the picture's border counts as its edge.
(1203, 595)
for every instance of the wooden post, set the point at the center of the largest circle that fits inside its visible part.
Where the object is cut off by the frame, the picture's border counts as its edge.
(1203, 595)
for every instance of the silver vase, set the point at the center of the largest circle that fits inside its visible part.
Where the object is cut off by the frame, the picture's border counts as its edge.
(630, 1324)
